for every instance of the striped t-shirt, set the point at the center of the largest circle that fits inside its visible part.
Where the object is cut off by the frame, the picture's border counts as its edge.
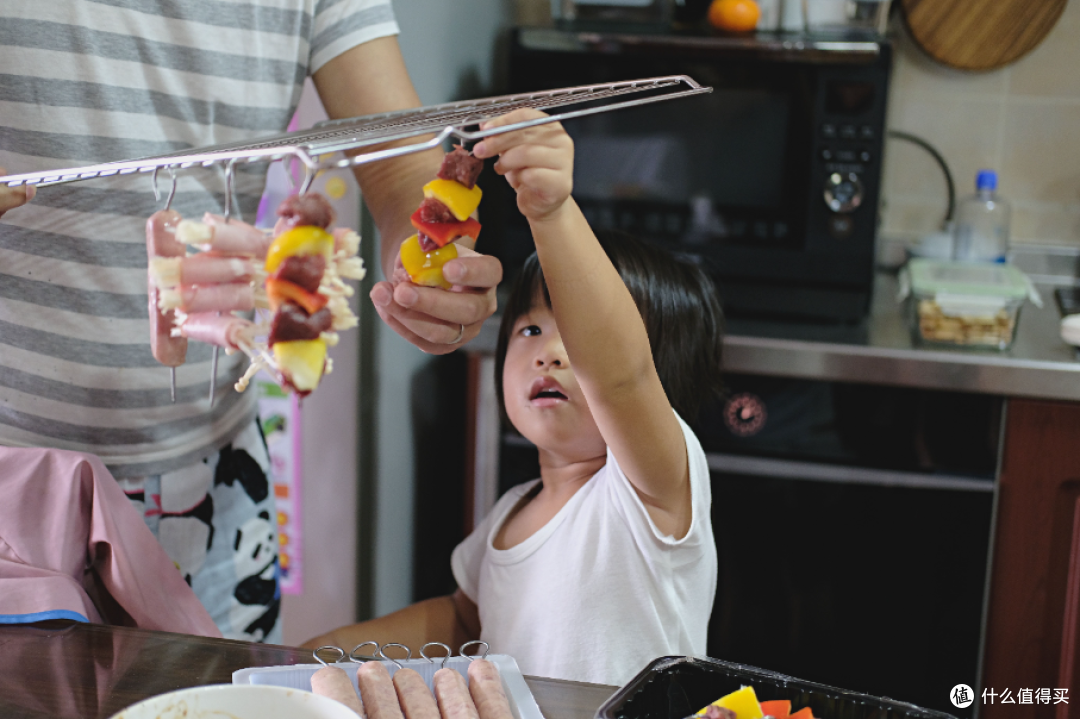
(83, 82)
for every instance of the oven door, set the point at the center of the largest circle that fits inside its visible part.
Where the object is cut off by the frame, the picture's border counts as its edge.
(852, 525)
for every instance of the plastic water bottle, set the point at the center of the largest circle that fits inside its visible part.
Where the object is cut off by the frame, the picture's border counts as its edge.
(982, 223)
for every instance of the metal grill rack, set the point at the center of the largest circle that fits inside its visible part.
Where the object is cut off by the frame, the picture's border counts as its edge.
(319, 148)
(314, 147)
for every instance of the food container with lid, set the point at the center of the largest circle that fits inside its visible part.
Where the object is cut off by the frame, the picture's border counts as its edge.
(964, 304)
(677, 687)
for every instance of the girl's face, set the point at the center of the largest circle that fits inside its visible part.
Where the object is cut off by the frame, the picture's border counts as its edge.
(542, 396)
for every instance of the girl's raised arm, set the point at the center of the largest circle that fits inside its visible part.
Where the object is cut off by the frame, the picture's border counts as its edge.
(600, 325)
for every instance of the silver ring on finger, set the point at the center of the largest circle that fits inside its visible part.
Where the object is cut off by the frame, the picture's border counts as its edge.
(460, 334)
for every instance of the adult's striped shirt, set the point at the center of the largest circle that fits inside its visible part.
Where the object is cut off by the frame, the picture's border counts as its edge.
(89, 81)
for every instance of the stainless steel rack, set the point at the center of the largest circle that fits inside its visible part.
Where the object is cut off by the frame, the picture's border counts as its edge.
(320, 148)
(316, 149)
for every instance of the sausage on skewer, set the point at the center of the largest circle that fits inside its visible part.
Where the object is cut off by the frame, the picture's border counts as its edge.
(485, 686)
(334, 683)
(161, 242)
(377, 691)
(453, 695)
(414, 696)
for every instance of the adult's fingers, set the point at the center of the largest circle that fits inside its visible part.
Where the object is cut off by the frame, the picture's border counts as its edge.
(12, 197)
(471, 269)
(458, 306)
(438, 338)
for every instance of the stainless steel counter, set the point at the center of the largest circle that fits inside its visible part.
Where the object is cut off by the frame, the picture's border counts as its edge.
(1039, 364)
(880, 351)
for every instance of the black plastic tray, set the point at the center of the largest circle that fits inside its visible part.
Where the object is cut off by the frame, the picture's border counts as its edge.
(676, 687)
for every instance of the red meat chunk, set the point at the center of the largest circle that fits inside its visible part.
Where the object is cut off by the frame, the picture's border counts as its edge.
(432, 210)
(291, 322)
(461, 166)
(303, 270)
(310, 208)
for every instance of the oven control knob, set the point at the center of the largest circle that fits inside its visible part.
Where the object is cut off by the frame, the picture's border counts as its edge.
(843, 191)
(744, 414)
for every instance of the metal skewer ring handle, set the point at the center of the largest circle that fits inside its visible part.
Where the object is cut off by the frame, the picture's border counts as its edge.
(408, 654)
(328, 647)
(445, 657)
(354, 657)
(487, 648)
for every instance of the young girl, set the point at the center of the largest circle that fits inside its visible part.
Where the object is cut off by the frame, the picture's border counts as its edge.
(607, 561)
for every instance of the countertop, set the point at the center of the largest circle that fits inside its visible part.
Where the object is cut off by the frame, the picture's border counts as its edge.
(90, 671)
(880, 351)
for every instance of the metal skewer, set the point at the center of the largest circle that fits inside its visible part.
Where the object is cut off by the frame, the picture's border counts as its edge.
(229, 181)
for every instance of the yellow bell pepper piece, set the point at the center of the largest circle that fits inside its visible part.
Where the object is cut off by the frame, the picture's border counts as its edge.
(743, 702)
(302, 361)
(425, 268)
(304, 240)
(461, 200)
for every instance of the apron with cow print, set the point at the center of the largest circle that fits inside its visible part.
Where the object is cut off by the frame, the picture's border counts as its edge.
(216, 521)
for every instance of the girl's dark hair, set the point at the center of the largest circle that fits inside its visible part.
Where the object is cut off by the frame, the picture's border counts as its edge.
(677, 301)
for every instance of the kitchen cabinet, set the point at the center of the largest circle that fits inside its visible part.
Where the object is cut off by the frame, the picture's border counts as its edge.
(1033, 618)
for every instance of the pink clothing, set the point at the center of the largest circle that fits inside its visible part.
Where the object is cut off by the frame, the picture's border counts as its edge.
(71, 545)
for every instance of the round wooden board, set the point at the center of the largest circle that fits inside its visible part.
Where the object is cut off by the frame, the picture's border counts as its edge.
(980, 34)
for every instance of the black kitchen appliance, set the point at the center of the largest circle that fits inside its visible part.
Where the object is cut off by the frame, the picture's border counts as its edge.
(772, 180)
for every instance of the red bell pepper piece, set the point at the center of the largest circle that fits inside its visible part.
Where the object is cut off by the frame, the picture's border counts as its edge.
(443, 233)
(778, 708)
(277, 291)
(803, 713)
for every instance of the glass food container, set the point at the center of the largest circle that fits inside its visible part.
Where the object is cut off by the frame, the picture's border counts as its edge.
(963, 304)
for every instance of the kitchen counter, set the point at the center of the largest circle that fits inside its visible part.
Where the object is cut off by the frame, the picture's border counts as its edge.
(880, 351)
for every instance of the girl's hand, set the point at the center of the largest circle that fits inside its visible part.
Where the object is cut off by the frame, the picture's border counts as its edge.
(538, 162)
(12, 197)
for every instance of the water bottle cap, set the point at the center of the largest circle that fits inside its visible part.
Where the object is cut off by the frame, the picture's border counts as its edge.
(986, 180)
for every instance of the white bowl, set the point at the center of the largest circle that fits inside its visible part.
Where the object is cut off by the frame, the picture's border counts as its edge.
(230, 701)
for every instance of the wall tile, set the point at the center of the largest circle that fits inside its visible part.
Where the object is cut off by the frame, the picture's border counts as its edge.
(1022, 120)
(1041, 158)
(1058, 225)
(1051, 69)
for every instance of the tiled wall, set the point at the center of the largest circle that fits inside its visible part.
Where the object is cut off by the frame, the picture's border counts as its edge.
(1022, 120)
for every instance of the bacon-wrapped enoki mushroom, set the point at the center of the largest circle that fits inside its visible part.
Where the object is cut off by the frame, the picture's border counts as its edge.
(298, 274)
(443, 216)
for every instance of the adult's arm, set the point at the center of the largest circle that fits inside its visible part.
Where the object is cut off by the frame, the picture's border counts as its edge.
(371, 78)
(451, 619)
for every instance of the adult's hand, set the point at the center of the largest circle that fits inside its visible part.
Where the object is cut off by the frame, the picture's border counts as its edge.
(12, 197)
(440, 321)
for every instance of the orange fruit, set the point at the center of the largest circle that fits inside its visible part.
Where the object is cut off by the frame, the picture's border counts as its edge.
(734, 15)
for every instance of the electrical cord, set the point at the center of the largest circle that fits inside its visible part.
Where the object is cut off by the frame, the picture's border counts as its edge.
(915, 139)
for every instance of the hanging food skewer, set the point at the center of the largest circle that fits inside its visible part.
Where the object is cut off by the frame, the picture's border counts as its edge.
(298, 274)
(444, 216)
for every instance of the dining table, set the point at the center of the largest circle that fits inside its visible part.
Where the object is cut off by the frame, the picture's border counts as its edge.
(63, 669)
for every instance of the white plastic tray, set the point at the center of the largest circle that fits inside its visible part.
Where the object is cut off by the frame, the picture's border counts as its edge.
(298, 676)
